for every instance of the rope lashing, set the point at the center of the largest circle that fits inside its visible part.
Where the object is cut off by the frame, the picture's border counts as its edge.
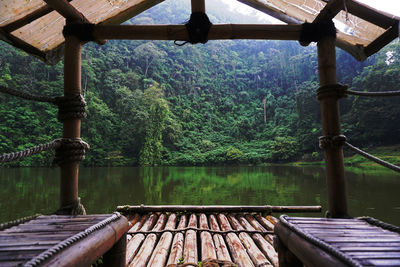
(373, 158)
(314, 32)
(197, 27)
(67, 149)
(83, 31)
(74, 207)
(70, 106)
(51, 252)
(330, 141)
(332, 90)
(70, 149)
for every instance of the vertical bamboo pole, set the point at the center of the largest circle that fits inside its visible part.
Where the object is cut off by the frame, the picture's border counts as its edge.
(198, 6)
(71, 127)
(337, 200)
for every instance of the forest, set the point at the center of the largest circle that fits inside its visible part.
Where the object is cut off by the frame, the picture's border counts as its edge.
(225, 102)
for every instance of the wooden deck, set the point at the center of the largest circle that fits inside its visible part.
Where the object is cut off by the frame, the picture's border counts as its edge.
(175, 239)
(60, 240)
(337, 242)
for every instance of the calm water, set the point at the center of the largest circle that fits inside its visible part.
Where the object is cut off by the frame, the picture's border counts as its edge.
(26, 191)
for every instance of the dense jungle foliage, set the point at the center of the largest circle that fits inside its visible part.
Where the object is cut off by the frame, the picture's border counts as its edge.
(225, 102)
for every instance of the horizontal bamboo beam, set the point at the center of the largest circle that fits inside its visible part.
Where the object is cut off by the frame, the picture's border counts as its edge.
(190, 208)
(66, 10)
(179, 32)
(388, 36)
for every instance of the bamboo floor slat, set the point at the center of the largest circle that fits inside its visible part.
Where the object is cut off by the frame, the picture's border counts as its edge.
(227, 239)
(354, 242)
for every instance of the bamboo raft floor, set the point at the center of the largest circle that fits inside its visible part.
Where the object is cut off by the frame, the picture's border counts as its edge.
(212, 238)
(58, 240)
(338, 242)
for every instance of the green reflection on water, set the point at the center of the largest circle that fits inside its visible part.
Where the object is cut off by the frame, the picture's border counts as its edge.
(27, 191)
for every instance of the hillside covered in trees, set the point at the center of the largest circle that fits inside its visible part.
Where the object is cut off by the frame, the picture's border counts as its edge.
(225, 102)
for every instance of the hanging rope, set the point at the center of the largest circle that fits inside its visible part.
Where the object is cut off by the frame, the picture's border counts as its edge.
(373, 158)
(67, 150)
(70, 106)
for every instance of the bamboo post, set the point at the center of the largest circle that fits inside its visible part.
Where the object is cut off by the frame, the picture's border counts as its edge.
(198, 6)
(337, 200)
(71, 127)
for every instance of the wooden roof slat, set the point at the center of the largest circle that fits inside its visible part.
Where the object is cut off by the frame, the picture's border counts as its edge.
(11, 11)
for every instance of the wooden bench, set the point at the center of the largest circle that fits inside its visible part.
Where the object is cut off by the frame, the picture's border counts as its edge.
(59, 240)
(336, 242)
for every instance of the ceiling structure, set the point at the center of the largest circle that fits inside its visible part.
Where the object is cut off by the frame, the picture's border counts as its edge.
(34, 26)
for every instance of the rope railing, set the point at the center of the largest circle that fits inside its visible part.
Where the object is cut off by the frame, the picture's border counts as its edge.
(70, 106)
(373, 158)
(27, 96)
(67, 150)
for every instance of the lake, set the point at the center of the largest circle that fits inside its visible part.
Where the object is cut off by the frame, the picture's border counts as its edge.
(26, 191)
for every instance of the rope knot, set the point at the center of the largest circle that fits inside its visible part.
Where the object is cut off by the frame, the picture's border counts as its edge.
(197, 27)
(69, 150)
(70, 106)
(314, 32)
(332, 90)
(73, 207)
(329, 141)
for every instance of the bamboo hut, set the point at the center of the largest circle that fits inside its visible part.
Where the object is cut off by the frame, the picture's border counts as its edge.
(52, 29)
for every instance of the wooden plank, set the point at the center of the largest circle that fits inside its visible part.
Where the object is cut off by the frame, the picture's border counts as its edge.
(208, 250)
(258, 258)
(220, 246)
(360, 239)
(190, 248)
(262, 243)
(177, 244)
(370, 248)
(381, 262)
(160, 254)
(236, 248)
(133, 245)
(374, 255)
(342, 245)
(144, 254)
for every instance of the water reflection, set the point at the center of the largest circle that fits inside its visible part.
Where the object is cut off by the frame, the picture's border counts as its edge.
(27, 191)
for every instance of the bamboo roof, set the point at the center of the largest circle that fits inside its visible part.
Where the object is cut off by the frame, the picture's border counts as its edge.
(35, 27)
